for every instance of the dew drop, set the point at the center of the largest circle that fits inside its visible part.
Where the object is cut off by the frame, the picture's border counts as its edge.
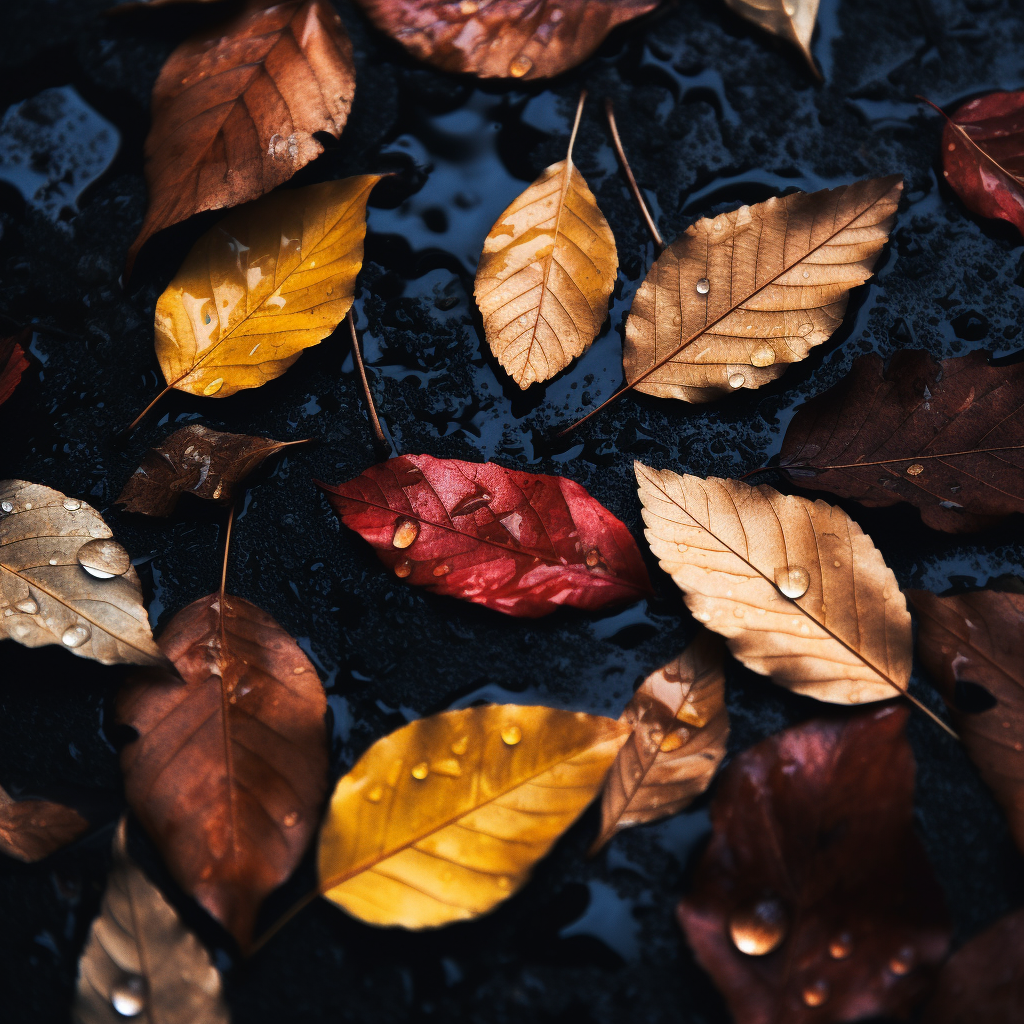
(955, 488)
(837, 563)
(807, 274)
(27, 605)
(468, 7)
(104, 558)
(915, 470)
(471, 503)
(673, 741)
(75, 636)
(53, 561)
(704, 285)
(403, 568)
(442, 570)
(763, 355)
(290, 819)
(72, 504)
(504, 882)
(511, 735)
(461, 745)
(374, 794)
(737, 380)
(793, 580)
(6, 507)
(128, 997)
(816, 993)
(758, 929)
(951, 147)
(406, 531)
(520, 66)
(448, 766)
(902, 962)
(593, 558)
(839, 948)
(213, 387)
(421, 770)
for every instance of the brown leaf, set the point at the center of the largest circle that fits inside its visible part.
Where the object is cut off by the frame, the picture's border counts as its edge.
(815, 901)
(742, 295)
(235, 109)
(503, 38)
(792, 20)
(680, 728)
(983, 983)
(13, 362)
(33, 829)
(195, 460)
(230, 768)
(947, 437)
(140, 961)
(973, 647)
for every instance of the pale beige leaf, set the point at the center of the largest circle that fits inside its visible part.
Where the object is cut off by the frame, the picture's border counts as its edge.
(801, 594)
(740, 296)
(790, 19)
(140, 962)
(48, 597)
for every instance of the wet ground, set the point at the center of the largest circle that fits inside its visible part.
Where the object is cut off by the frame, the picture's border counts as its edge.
(712, 114)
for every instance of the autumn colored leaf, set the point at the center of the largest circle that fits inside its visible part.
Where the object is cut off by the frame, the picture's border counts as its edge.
(33, 829)
(195, 460)
(230, 767)
(947, 437)
(65, 580)
(679, 731)
(235, 109)
(503, 38)
(973, 647)
(792, 20)
(12, 362)
(983, 155)
(546, 273)
(983, 983)
(140, 961)
(266, 282)
(443, 819)
(520, 543)
(814, 901)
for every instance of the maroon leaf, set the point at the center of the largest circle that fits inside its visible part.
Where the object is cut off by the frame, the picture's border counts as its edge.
(12, 362)
(947, 437)
(520, 543)
(33, 829)
(814, 901)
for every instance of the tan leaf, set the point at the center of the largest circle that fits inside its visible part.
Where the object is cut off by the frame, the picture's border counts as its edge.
(140, 961)
(547, 270)
(742, 295)
(47, 596)
(443, 819)
(266, 282)
(800, 592)
(33, 829)
(792, 20)
(680, 728)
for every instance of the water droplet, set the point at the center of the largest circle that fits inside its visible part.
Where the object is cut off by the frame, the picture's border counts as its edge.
(511, 735)
(520, 66)
(53, 561)
(816, 993)
(403, 568)
(128, 997)
(839, 948)
(739, 611)
(763, 355)
(673, 741)
(104, 558)
(468, 7)
(759, 929)
(448, 766)
(902, 962)
(406, 531)
(915, 470)
(951, 147)
(807, 274)
(504, 882)
(6, 507)
(461, 745)
(72, 504)
(593, 558)
(290, 819)
(704, 285)
(470, 504)
(421, 770)
(837, 563)
(442, 570)
(374, 794)
(75, 636)
(737, 380)
(955, 488)
(793, 580)
(27, 605)
(213, 387)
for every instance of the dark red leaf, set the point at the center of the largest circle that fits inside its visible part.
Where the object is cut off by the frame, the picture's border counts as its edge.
(33, 829)
(947, 437)
(815, 872)
(12, 362)
(520, 543)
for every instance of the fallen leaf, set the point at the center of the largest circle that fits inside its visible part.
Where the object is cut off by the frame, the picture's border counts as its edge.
(679, 731)
(792, 20)
(235, 109)
(520, 543)
(983, 983)
(12, 362)
(546, 273)
(33, 829)
(140, 961)
(947, 437)
(266, 282)
(972, 645)
(983, 155)
(47, 593)
(230, 768)
(740, 296)
(815, 901)
(195, 460)
(503, 38)
(798, 589)
(443, 819)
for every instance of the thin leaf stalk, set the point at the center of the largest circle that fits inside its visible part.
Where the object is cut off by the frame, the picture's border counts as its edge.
(659, 242)
(358, 357)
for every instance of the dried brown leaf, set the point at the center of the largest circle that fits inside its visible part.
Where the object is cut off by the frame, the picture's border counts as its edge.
(33, 829)
(792, 20)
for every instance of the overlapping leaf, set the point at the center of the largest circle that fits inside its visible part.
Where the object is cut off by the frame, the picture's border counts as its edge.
(229, 769)
(503, 38)
(520, 543)
(266, 282)
(235, 109)
(947, 437)
(814, 901)
(443, 819)
(679, 731)
(792, 20)
(54, 587)
(12, 362)
(33, 829)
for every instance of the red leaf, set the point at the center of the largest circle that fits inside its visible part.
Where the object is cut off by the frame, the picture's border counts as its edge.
(519, 543)
(12, 363)
(815, 872)
(983, 155)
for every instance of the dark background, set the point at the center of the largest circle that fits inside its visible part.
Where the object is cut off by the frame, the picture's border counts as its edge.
(713, 113)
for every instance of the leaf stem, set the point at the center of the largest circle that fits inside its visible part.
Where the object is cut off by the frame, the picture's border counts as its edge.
(295, 909)
(576, 124)
(227, 548)
(142, 415)
(357, 356)
(659, 242)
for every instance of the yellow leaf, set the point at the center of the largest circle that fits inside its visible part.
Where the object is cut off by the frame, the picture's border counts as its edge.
(443, 819)
(790, 19)
(546, 273)
(272, 278)
(740, 296)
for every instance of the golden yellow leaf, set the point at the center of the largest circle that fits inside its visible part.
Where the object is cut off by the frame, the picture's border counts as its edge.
(740, 296)
(790, 19)
(546, 273)
(64, 580)
(443, 819)
(272, 278)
